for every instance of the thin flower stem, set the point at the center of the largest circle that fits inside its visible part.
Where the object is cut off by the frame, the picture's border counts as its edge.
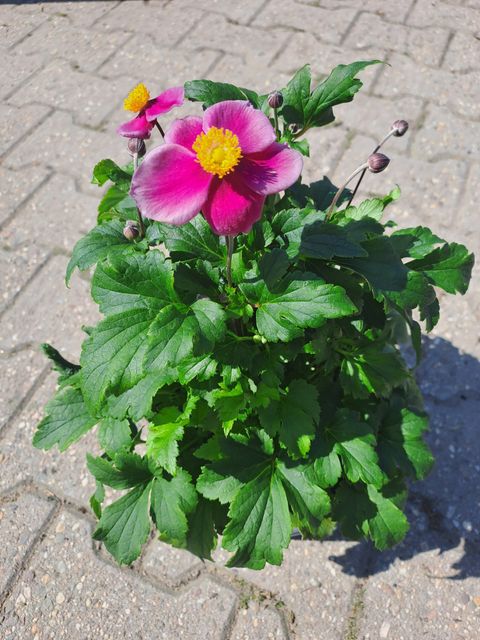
(139, 215)
(361, 168)
(275, 119)
(382, 142)
(230, 246)
(162, 132)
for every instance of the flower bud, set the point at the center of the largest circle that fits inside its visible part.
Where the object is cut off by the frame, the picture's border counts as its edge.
(377, 162)
(131, 230)
(275, 100)
(136, 147)
(399, 128)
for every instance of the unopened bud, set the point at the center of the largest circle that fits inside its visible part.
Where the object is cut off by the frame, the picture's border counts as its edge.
(399, 128)
(131, 230)
(378, 162)
(275, 100)
(136, 147)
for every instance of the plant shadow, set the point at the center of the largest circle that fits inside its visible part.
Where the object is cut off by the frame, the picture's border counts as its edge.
(444, 509)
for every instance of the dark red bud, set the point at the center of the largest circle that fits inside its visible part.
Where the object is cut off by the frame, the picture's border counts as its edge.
(399, 127)
(131, 230)
(275, 100)
(378, 162)
(136, 147)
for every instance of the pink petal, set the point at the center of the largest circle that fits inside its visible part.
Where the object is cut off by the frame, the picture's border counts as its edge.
(272, 170)
(231, 207)
(252, 127)
(170, 186)
(138, 127)
(163, 103)
(184, 131)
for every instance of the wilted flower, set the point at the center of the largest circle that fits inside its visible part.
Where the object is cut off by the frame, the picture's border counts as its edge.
(148, 109)
(223, 164)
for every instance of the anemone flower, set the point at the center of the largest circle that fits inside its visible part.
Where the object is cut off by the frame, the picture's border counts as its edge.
(223, 165)
(147, 110)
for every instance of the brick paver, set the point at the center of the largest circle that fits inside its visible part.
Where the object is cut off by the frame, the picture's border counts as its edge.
(66, 67)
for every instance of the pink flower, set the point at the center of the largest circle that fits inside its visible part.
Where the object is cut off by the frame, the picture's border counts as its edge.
(139, 101)
(223, 164)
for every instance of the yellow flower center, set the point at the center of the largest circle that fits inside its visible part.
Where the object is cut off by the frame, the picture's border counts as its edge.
(218, 151)
(137, 98)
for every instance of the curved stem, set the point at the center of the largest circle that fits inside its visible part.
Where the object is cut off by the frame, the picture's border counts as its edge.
(361, 168)
(389, 134)
(275, 119)
(162, 132)
(139, 215)
(230, 246)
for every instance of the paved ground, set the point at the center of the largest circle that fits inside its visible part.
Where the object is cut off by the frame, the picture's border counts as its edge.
(66, 67)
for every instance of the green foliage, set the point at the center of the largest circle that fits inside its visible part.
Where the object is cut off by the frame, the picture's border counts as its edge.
(276, 399)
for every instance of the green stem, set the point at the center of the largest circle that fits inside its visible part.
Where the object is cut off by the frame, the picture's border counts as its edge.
(139, 215)
(341, 189)
(230, 240)
(275, 119)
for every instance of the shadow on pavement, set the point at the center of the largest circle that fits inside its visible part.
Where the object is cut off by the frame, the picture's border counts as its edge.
(443, 510)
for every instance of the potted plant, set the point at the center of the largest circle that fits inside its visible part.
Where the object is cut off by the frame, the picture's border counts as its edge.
(246, 378)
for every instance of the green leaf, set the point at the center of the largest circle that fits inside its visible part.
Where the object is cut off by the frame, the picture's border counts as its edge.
(109, 170)
(324, 241)
(124, 525)
(114, 435)
(202, 538)
(448, 267)
(172, 501)
(294, 417)
(137, 401)
(420, 241)
(211, 319)
(299, 304)
(260, 526)
(401, 444)
(296, 95)
(273, 265)
(170, 337)
(112, 197)
(371, 370)
(128, 470)
(163, 436)
(290, 224)
(65, 368)
(200, 368)
(372, 208)
(430, 313)
(106, 239)
(209, 92)
(67, 420)
(194, 240)
(417, 292)
(96, 499)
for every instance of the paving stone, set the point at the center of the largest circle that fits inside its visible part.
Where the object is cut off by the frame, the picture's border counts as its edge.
(255, 622)
(443, 135)
(406, 77)
(114, 603)
(15, 24)
(56, 217)
(169, 565)
(420, 598)
(433, 13)
(65, 474)
(21, 519)
(241, 12)
(20, 371)
(303, 48)
(17, 267)
(467, 220)
(254, 45)
(78, 13)
(326, 147)
(67, 148)
(260, 78)
(46, 311)
(157, 66)
(16, 187)
(167, 24)
(88, 97)
(425, 45)
(463, 53)
(393, 11)
(430, 190)
(84, 48)
(311, 585)
(15, 71)
(17, 122)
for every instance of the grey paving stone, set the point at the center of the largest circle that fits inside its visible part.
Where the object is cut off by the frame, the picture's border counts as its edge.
(56, 217)
(17, 267)
(17, 186)
(425, 45)
(326, 147)
(169, 565)
(78, 12)
(467, 220)
(241, 12)
(114, 603)
(16, 122)
(46, 311)
(328, 25)
(443, 135)
(463, 53)
(84, 48)
(15, 71)
(304, 48)
(406, 77)
(256, 46)
(67, 148)
(88, 97)
(312, 585)
(21, 519)
(443, 14)
(255, 622)
(65, 474)
(393, 11)
(16, 24)
(261, 78)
